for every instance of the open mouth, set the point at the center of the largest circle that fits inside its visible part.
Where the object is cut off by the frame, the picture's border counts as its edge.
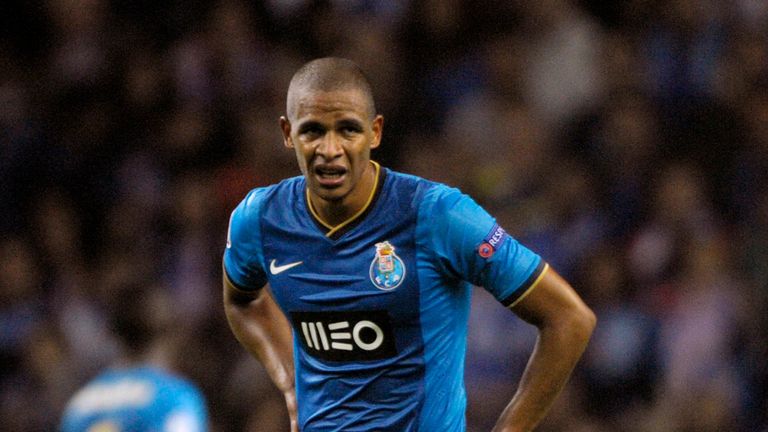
(330, 175)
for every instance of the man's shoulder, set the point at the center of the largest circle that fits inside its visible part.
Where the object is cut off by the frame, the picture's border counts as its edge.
(168, 386)
(428, 196)
(429, 189)
(409, 183)
(401, 177)
(166, 377)
(287, 191)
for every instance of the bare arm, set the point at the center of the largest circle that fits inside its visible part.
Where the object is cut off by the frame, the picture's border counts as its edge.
(260, 326)
(565, 325)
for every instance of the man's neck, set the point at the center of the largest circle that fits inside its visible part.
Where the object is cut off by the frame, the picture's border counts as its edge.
(337, 212)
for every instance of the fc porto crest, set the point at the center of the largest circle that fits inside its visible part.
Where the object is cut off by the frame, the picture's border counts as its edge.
(387, 269)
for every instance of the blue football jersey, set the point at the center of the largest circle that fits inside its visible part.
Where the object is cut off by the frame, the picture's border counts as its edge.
(379, 304)
(142, 399)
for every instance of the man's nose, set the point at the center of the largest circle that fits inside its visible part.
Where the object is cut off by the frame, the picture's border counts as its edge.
(330, 146)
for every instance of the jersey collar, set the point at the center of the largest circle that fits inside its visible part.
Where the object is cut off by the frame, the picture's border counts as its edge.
(334, 232)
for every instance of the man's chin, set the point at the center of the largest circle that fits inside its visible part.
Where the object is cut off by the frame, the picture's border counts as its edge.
(330, 194)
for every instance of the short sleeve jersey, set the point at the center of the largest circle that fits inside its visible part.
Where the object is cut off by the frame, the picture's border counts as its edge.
(136, 399)
(379, 304)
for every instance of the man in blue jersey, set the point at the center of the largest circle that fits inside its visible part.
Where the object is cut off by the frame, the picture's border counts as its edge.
(140, 393)
(370, 273)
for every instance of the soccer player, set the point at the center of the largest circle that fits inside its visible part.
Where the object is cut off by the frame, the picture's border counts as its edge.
(370, 273)
(141, 392)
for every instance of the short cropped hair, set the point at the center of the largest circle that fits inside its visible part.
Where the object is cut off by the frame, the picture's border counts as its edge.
(132, 315)
(330, 74)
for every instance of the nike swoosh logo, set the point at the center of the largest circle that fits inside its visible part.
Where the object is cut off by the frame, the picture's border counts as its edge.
(276, 269)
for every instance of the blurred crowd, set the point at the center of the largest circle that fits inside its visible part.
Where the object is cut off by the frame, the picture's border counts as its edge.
(626, 142)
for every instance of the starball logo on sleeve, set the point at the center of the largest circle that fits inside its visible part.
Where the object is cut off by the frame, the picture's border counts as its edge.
(492, 241)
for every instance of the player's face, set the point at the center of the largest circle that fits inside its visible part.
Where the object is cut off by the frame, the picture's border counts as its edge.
(333, 134)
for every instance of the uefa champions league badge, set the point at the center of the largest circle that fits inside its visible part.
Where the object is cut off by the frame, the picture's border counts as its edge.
(387, 269)
(492, 241)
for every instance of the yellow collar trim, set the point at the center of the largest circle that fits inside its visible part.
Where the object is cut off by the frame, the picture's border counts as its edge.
(334, 229)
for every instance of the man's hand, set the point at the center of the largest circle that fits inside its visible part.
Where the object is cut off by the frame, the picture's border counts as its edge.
(290, 402)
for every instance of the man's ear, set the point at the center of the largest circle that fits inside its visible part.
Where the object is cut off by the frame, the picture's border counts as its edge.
(377, 127)
(285, 127)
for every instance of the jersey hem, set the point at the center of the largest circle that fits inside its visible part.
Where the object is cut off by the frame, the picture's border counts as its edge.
(532, 283)
(231, 284)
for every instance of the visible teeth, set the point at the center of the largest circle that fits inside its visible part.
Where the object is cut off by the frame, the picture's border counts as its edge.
(329, 173)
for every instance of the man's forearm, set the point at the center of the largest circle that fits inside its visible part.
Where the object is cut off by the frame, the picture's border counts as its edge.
(260, 326)
(262, 329)
(557, 351)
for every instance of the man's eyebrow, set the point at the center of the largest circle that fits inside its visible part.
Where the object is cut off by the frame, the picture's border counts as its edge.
(309, 125)
(348, 122)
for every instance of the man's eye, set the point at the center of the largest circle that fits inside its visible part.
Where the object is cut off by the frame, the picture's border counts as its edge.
(350, 130)
(311, 132)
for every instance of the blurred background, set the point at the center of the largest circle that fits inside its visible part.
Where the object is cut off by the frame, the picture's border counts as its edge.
(625, 141)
